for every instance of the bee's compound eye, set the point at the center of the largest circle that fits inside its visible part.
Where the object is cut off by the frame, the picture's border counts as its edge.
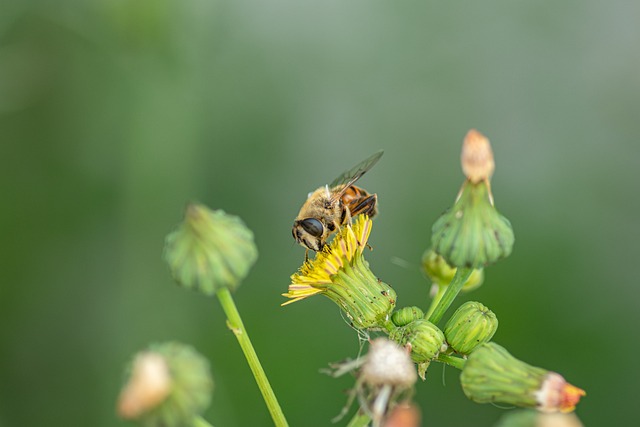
(312, 226)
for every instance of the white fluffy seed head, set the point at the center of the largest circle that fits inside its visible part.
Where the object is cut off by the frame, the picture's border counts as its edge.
(388, 364)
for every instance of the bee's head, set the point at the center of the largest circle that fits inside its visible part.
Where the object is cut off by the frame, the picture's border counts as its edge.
(308, 232)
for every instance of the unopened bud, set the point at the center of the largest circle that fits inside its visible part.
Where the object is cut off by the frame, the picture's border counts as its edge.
(491, 374)
(210, 250)
(440, 273)
(406, 315)
(423, 338)
(472, 324)
(477, 157)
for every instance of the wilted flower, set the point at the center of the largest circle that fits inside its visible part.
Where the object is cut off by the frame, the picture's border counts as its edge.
(341, 273)
(168, 386)
(210, 250)
(386, 378)
(472, 233)
(491, 374)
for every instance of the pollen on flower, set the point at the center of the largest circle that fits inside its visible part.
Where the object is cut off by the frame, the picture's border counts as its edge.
(314, 276)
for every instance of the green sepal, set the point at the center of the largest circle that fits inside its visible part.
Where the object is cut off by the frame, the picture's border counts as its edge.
(472, 233)
(367, 301)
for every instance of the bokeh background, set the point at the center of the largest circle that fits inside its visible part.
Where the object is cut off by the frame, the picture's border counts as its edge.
(114, 114)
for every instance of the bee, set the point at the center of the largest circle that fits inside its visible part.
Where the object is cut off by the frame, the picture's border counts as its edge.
(331, 206)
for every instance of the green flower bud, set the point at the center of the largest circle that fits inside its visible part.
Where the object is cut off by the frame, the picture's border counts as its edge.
(472, 234)
(471, 325)
(168, 386)
(533, 418)
(441, 273)
(210, 250)
(406, 315)
(423, 338)
(491, 374)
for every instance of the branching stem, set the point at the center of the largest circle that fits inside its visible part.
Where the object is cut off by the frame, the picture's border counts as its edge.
(461, 276)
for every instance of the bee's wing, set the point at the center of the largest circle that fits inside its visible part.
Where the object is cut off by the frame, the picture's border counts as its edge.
(348, 178)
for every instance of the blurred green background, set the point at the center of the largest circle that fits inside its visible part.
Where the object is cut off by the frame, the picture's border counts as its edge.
(114, 114)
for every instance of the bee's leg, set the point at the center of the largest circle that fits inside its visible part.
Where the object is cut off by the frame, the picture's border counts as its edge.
(364, 205)
(306, 255)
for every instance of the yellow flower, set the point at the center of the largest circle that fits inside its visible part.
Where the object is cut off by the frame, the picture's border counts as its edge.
(341, 273)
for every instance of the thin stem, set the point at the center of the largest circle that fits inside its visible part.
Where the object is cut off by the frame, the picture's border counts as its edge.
(360, 419)
(436, 299)
(456, 362)
(237, 327)
(461, 276)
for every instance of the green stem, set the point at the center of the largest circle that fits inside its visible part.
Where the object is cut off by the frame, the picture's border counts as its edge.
(436, 299)
(201, 422)
(359, 420)
(237, 327)
(456, 362)
(462, 274)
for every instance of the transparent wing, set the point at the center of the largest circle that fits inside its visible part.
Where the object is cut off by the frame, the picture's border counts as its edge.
(348, 178)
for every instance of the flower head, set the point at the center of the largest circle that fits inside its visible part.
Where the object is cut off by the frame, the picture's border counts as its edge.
(341, 273)
(210, 250)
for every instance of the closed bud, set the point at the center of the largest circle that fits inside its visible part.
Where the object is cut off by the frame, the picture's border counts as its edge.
(491, 374)
(168, 386)
(472, 233)
(406, 315)
(210, 250)
(440, 273)
(471, 325)
(423, 338)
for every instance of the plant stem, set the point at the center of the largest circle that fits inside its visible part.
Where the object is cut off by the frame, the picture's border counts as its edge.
(234, 322)
(456, 362)
(359, 420)
(436, 299)
(461, 276)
